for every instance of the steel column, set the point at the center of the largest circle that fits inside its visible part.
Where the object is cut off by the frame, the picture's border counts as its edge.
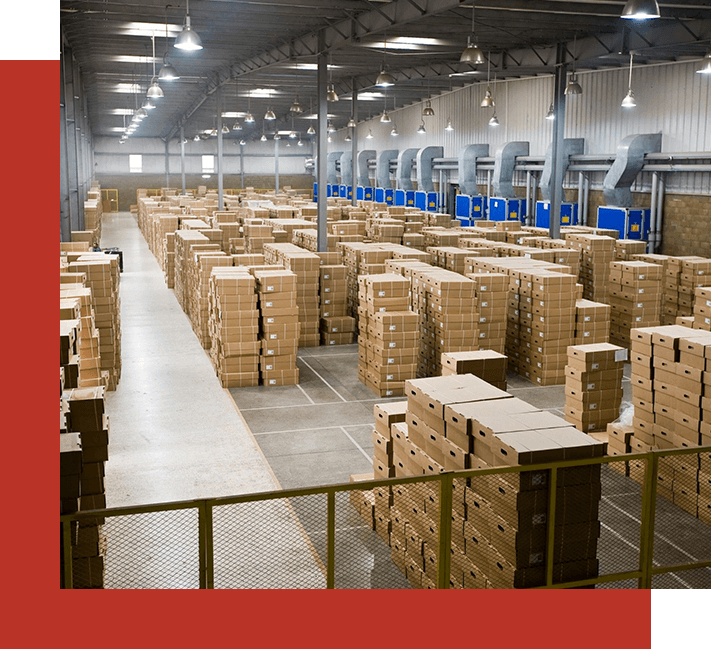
(558, 144)
(321, 143)
(182, 160)
(220, 190)
(167, 163)
(354, 143)
(276, 166)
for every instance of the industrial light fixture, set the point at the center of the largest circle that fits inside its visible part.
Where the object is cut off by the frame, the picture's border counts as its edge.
(385, 118)
(494, 121)
(351, 123)
(488, 101)
(188, 40)
(330, 139)
(331, 93)
(385, 79)
(370, 135)
(394, 132)
(472, 54)
(141, 114)
(311, 130)
(629, 101)
(449, 126)
(277, 136)
(196, 138)
(225, 128)
(296, 106)
(641, 10)
(237, 126)
(421, 130)
(299, 143)
(705, 65)
(428, 111)
(330, 128)
(269, 115)
(213, 132)
(167, 71)
(348, 138)
(147, 105)
(263, 138)
(573, 87)
(551, 113)
(154, 90)
(242, 142)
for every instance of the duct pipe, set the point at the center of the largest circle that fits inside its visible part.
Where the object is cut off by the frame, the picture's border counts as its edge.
(653, 214)
(660, 211)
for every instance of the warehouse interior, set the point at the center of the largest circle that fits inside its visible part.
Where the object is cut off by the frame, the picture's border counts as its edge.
(407, 178)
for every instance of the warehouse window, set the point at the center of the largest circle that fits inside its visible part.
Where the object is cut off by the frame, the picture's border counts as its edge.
(135, 163)
(208, 164)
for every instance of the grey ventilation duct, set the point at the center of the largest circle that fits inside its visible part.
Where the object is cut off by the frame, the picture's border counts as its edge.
(424, 167)
(331, 170)
(504, 163)
(382, 168)
(364, 158)
(629, 160)
(404, 169)
(467, 167)
(347, 168)
(571, 146)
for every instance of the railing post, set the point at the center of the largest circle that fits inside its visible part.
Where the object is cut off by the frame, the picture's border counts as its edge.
(67, 554)
(550, 523)
(331, 541)
(649, 507)
(207, 564)
(445, 530)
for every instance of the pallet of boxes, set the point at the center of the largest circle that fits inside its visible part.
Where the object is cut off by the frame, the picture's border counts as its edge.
(499, 529)
(671, 370)
(336, 326)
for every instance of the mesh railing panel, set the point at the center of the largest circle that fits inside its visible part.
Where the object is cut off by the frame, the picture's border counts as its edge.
(698, 578)
(270, 544)
(152, 550)
(682, 526)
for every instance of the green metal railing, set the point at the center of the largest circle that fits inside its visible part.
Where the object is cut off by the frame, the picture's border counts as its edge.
(205, 508)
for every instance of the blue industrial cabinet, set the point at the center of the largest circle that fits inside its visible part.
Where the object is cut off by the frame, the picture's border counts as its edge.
(568, 214)
(379, 195)
(421, 200)
(389, 196)
(364, 193)
(630, 222)
(410, 198)
(432, 201)
(479, 204)
(345, 192)
(507, 209)
(399, 197)
(463, 207)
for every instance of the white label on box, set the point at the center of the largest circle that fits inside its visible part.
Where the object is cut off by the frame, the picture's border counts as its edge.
(596, 366)
(270, 352)
(269, 303)
(332, 342)
(270, 288)
(388, 393)
(591, 386)
(381, 293)
(334, 330)
(640, 305)
(391, 361)
(593, 406)
(270, 320)
(527, 255)
(482, 319)
(587, 334)
(270, 367)
(390, 377)
(641, 290)
(641, 276)
(327, 277)
(392, 327)
(483, 304)
(587, 318)
(638, 318)
(326, 290)
(381, 309)
(272, 336)
(272, 381)
(392, 345)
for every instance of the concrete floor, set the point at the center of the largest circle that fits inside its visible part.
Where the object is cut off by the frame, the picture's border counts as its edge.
(176, 434)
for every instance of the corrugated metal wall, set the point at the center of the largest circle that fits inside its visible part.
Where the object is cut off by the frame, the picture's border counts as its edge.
(671, 98)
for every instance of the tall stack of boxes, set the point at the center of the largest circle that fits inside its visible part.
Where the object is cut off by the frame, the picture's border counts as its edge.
(336, 326)
(597, 253)
(635, 298)
(389, 334)
(200, 270)
(103, 277)
(499, 522)
(670, 370)
(593, 385)
(491, 292)
(592, 322)
(83, 452)
(279, 326)
(234, 327)
(702, 308)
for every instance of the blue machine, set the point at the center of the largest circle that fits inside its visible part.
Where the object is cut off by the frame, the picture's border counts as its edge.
(405, 197)
(432, 201)
(390, 196)
(345, 192)
(329, 191)
(421, 200)
(568, 214)
(399, 197)
(379, 195)
(364, 193)
(469, 208)
(630, 222)
(507, 209)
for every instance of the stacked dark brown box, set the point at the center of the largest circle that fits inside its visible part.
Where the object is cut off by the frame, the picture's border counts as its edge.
(671, 374)
(234, 327)
(694, 272)
(388, 333)
(635, 297)
(86, 444)
(498, 522)
(279, 326)
(593, 385)
(484, 363)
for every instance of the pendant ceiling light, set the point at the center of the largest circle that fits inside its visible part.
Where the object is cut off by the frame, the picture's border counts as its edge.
(348, 137)
(277, 136)
(629, 100)
(196, 138)
(394, 132)
(385, 79)
(370, 135)
(330, 139)
(573, 87)
(705, 65)
(292, 135)
(641, 10)
(299, 143)
(237, 126)
(249, 118)
(148, 105)
(494, 121)
(330, 128)
(472, 54)
(225, 128)
(188, 40)
(296, 106)
(449, 126)
(421, 130)
(269, 115)
(167, 71)
(428, 111)
(154, 90)
(351, 123)
(331, 93)
(141, 114)
(551, 113)
(242, 142)
(311, 130)
(385, 118)
(263, 138)
(488, 101)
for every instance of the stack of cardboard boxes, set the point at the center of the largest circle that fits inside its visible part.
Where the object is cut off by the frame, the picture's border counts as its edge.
(185, 240)
(83, 452)
(389, 334)
(597, 253)
(593, 385)
(279, 326)
(499, 522)
(103, 278)
(169, 259)
(491, 292)
(336, 326)
(592, 322)
(702, 308)
(234, 327)
(487, 364)
(671, 366)
(635, 298)
(199, 271)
